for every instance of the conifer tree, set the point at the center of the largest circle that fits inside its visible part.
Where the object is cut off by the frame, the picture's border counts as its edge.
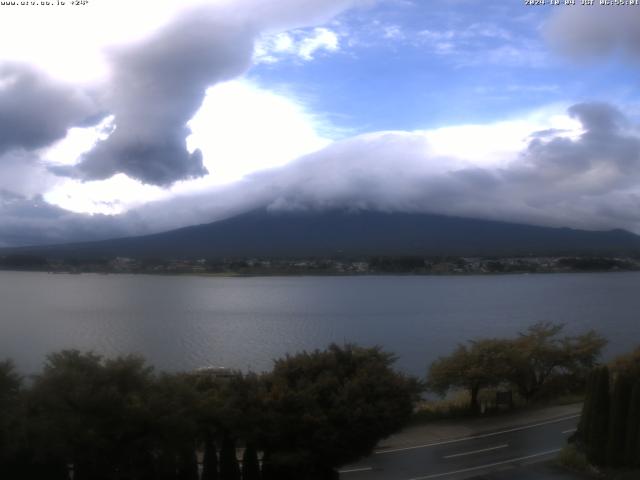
(250, 463)
(587, 410)
(632, 443)
(229, 468)
(598, 423)
(188, 465)
(618, 416)
(210, 460)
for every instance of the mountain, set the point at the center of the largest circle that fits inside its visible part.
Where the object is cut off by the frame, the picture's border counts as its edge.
(335, 233)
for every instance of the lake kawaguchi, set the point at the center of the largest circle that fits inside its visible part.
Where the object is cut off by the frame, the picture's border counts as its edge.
(185, 322)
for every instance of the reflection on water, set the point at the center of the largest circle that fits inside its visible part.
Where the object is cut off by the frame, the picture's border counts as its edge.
(186, 322)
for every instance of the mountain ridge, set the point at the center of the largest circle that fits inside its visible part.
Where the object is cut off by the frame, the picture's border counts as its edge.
(330, 233)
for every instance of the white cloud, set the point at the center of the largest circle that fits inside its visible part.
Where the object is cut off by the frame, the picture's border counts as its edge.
(322, 39)
(240, 129)
(46, 36)
(577, 168)
(300, 44)
(78, 141)
(243, 129)
(393, 32)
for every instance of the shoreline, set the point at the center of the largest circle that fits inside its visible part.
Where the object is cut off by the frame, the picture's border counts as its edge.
(318, 274)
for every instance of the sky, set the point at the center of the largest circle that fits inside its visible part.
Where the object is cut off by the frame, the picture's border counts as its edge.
(127, 117)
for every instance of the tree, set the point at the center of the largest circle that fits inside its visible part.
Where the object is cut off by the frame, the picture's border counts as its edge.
(618, 417)
(229, 468)
(250, 463)
(326, 408)
(187, 463)
(587, 411)
(540, 355)
(210, 460)
(632, 443)
(172, 404)
(98, 415)
(597, 424)
(10, 425)
(484, 363)
(628, 364)
(68, 402)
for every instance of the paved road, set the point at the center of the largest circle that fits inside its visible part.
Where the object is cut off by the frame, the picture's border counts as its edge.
(466, 457)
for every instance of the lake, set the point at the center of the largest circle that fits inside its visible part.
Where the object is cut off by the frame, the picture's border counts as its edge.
(184, 322)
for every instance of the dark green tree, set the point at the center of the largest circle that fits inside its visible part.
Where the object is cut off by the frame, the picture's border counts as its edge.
(187, 463)
(632, 443)
(618, 418)
(597, 425)
(109, 419)
(210, 459)
(587, 410)
(327, 408)
(250, 463)
(12, 426)
(70, 401)
(229, 468)
(174, 429)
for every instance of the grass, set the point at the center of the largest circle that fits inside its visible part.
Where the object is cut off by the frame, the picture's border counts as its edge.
(456, 405)
(573, 459)
(453, 406)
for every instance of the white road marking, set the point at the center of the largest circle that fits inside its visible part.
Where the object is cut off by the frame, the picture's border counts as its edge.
(489, 465)
(354, 470)
(571, 430)
(490, 449)
(476, 437)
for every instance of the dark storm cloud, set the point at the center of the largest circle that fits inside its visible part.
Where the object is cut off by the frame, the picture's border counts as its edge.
(159, 84)
(30, 221)
(22, 173)
(605, 156)
(35, 111)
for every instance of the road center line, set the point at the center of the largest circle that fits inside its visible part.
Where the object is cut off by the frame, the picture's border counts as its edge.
(476, 437)
(571, 430)
(354, 470)
(490, 449)
(489, 465)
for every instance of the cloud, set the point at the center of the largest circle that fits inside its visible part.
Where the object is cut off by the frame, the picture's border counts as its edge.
(35, 110)
(22, 173)
(279, 127)
(322, 39)
(481, 44)
(158, 84)
(591, 32)
(30, 221)
(586, 176)
(301, 44)
(580, 170)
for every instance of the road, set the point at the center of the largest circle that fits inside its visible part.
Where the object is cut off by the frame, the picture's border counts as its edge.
(466, 457)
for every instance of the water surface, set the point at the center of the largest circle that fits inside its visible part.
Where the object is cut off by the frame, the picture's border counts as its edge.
(183, 322)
